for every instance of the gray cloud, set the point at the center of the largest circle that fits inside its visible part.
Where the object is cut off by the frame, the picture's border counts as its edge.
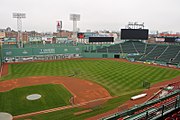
(163, 15)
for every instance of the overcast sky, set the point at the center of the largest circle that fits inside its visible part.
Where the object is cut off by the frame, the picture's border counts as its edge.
(41, 15)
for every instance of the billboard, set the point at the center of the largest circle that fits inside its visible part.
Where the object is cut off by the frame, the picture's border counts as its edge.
(35, 39)
(61, 39)
(59, 26)
(47, 38)
(10, 40)
(134, 34)
(80, 35)
(160, 39)
(101, 39)
(168, 35)
(169, 39)
(177, 40)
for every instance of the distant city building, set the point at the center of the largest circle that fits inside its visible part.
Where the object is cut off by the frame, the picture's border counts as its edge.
(8, 29)
(10, 40)
(47, 39)
(63, 33)
(35, 39)
(2, 35)
(25, 37)
(33, 33)
(168, 35)
(12, 34)
(60, 39)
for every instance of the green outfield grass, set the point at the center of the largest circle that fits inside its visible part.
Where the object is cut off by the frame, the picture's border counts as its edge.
(117, 77)
(15, 101)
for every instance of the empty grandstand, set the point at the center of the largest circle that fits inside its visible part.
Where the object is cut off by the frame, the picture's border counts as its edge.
(140, 51)
(164, 54)
(157, 108)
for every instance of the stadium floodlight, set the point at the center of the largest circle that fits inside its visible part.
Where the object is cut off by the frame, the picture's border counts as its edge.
(75, 18)
(135, 25)
(19, 16)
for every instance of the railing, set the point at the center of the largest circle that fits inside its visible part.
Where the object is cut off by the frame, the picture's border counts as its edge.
(159, 109)
(135, 47)
(176, 55)
(163, 52)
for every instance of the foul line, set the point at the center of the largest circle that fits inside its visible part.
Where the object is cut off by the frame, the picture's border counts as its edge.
(59, 108)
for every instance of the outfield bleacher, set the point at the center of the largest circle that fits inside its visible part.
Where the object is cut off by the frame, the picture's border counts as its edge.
(155, 52)
(169, 54)
(149, 48)
(128, 47)
(115, 49)
(137, 57)
(177, 58)
(145, 52)
(139, 46)
(102, 50)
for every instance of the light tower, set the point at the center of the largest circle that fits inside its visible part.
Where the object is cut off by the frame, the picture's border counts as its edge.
(135, 25)
(19, 16)
(75, 18)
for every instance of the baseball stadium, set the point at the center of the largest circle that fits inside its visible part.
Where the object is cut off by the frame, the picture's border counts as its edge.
(129, 80)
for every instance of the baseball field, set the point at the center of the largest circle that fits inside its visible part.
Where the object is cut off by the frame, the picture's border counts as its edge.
(15, 101)
(120, 79)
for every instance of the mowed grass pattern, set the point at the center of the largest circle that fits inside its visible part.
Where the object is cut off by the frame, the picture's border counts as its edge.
(117, 77)
(15, 101)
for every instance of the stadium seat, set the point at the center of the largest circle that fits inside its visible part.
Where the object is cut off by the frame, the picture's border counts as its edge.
(174, 116)
(168, 118)
(120, 119)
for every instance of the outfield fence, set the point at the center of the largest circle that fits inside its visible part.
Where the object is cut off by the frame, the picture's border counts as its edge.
(56, 51)
(40, 53)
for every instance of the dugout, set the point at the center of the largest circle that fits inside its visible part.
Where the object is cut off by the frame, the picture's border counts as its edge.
(116, 56)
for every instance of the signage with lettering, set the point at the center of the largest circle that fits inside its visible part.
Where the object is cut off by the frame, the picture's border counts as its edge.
(46, 51)
(8, 53)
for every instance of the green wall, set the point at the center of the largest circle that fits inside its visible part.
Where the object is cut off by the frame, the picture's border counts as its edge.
(98, 55)
(41, 51)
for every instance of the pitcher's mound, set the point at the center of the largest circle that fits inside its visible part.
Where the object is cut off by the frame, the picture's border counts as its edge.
(33, 97)
(5, 116)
